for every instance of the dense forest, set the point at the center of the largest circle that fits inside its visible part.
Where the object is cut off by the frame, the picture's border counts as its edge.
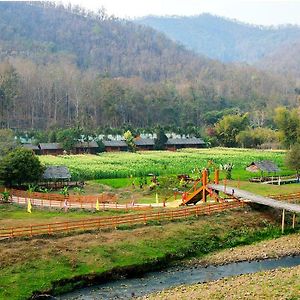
(64, 66)
(224, 39)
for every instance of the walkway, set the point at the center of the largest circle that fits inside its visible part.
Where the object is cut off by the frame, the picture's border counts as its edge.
(241, 194)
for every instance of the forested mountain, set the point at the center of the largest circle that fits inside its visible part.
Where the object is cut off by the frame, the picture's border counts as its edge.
(62, 67)
(224, 39)
(285, 61)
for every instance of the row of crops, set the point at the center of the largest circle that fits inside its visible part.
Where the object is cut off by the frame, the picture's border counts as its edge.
(126, 164)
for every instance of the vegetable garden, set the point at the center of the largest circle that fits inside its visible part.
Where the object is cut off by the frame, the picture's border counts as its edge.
(126, 164)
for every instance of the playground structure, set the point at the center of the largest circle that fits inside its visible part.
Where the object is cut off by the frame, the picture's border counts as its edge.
(200, 193)
(201, 190)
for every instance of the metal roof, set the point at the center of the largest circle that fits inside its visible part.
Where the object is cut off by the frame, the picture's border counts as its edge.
(190, 141)
(30, 147)
(57, 172)
(114, 144)
(144, 142)
(91, 144)
(50, 146)
(265, 166)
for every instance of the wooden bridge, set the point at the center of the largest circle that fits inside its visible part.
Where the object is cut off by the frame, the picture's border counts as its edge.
(203, 188)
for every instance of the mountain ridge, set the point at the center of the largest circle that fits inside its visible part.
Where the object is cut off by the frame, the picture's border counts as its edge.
(233, 40)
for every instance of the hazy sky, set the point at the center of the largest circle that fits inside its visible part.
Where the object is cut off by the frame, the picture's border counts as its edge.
(265, 12)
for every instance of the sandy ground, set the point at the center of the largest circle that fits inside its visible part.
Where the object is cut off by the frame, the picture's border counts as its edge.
(270, 285)
(277, 284)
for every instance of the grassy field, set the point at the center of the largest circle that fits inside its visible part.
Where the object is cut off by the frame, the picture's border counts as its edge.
(17, 215)
(39, 263)
(126, 164)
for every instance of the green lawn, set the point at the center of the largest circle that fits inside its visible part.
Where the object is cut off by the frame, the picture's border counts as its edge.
(17, 215)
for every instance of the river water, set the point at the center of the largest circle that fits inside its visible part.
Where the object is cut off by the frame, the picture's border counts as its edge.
(157, 281)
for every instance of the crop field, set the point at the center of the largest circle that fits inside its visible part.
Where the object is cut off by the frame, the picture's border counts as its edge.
(126, 164)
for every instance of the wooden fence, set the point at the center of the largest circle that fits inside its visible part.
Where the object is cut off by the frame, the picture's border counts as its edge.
(104, 197)
(115, 221)
(286, 197)
(52, 203)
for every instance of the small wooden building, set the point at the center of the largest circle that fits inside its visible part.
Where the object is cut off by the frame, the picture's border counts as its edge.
(51, 149)
(115, 146)
(35, 148)
(265, 166)
(174, 144)
(143, 144)
(56, 176)
(86, 147)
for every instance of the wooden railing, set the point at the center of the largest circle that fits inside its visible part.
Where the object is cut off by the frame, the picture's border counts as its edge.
(52, 203)
(115, 221)
(104, 197)
(286, 197)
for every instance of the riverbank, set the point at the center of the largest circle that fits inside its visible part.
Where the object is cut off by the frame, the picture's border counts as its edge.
(275, 284)
(270, 285)
(275, 248)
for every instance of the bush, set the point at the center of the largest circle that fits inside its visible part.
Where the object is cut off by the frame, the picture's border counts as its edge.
(20, 166)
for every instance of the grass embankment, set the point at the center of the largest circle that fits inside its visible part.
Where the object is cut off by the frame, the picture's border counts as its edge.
(270, 285)
(283, 246)
(39, 264)
(126, 164)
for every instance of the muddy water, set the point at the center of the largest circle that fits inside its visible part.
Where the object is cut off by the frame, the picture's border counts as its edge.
(157, 281)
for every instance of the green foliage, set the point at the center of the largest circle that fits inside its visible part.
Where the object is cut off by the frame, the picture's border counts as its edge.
(7, 141)
(5, 196)
(20, 166)
(229, 127)
(227, 168)
(288, 123)
(129, 139)
(101, 146)
(9, 81)
(64, 191)
(252, 138)
(68, 137)
(292, 158)
(161, 140)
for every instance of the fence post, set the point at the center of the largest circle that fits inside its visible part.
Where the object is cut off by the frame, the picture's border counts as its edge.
(294, 221)
(282, 221)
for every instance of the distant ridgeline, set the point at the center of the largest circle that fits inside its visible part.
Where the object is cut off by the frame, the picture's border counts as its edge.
(66, 67)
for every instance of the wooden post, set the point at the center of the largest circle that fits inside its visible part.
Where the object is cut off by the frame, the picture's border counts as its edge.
(282, 222)
(204, 184)
(294, 221)
(217, 176)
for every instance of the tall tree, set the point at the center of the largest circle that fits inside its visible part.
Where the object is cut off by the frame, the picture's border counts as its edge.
(229, 127)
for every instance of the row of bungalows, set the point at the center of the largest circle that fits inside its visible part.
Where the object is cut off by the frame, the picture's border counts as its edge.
(114, 146)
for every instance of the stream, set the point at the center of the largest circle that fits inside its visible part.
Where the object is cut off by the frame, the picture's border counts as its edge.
(157, 281)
